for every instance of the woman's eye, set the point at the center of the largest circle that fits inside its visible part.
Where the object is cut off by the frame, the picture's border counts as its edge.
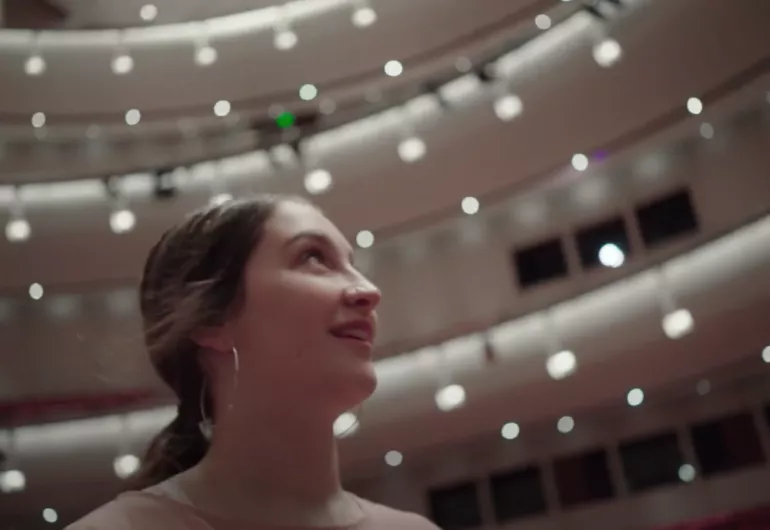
(314, 257)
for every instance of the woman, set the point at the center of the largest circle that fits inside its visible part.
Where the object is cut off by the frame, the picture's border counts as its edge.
(257, 319)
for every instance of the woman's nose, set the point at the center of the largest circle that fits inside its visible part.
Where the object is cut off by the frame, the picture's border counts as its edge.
(363, 295)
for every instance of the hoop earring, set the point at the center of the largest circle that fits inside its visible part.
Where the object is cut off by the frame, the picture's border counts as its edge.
(206, 425)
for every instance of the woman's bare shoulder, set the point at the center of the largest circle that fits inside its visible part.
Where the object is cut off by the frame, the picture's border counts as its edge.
(137, 511)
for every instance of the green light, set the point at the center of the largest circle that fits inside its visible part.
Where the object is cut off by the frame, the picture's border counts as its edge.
(285, 120)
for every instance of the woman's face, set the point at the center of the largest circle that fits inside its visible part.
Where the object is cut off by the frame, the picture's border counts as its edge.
(307, 324)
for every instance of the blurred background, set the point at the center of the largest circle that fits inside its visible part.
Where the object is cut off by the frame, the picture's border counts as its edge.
(565, 203)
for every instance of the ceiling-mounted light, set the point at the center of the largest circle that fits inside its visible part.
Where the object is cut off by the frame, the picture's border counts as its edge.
(411, 149)
(126, 465)
(543, 22)
(318, 181)
(308, 92)
(450, 397)
(508, 107)
(706, 130)
(222, 108)
(607, 52)
(510, 430)
(205, 55)
(678, 323)
(133, 116)
(611, 255)
(565, 424)
(393, 458)
(284, 39)
(635, 397)
(470, 205)
(50, 515)
(38, 120)
(122, 63)
(561, 364)
(363, 15)
(579, 162)
(365, 239)
(766, 354)
(36, 291)
(35, 65)
(345, 425)
(12, 480)
(148, 12)
(122, 220)
(694, 106)
(17, 230)
(686, 473)
(393, 68)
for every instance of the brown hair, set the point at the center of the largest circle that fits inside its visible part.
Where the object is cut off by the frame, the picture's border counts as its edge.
(192, 278)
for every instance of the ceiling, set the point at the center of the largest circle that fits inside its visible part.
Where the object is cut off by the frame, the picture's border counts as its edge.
(108, 14)
(77, 351)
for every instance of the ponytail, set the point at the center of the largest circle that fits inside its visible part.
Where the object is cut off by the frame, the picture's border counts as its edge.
(181, 444)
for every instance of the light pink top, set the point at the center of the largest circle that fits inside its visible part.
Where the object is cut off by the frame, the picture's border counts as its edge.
(154, 510)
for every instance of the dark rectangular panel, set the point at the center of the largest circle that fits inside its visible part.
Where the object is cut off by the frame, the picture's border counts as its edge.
(667, 218)
(583, 478)
(540, 263)
(727, 444)
(518, 493)
(651, 461)
(456, 506)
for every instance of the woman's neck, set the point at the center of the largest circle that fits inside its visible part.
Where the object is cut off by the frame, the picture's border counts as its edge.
(273, 467)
